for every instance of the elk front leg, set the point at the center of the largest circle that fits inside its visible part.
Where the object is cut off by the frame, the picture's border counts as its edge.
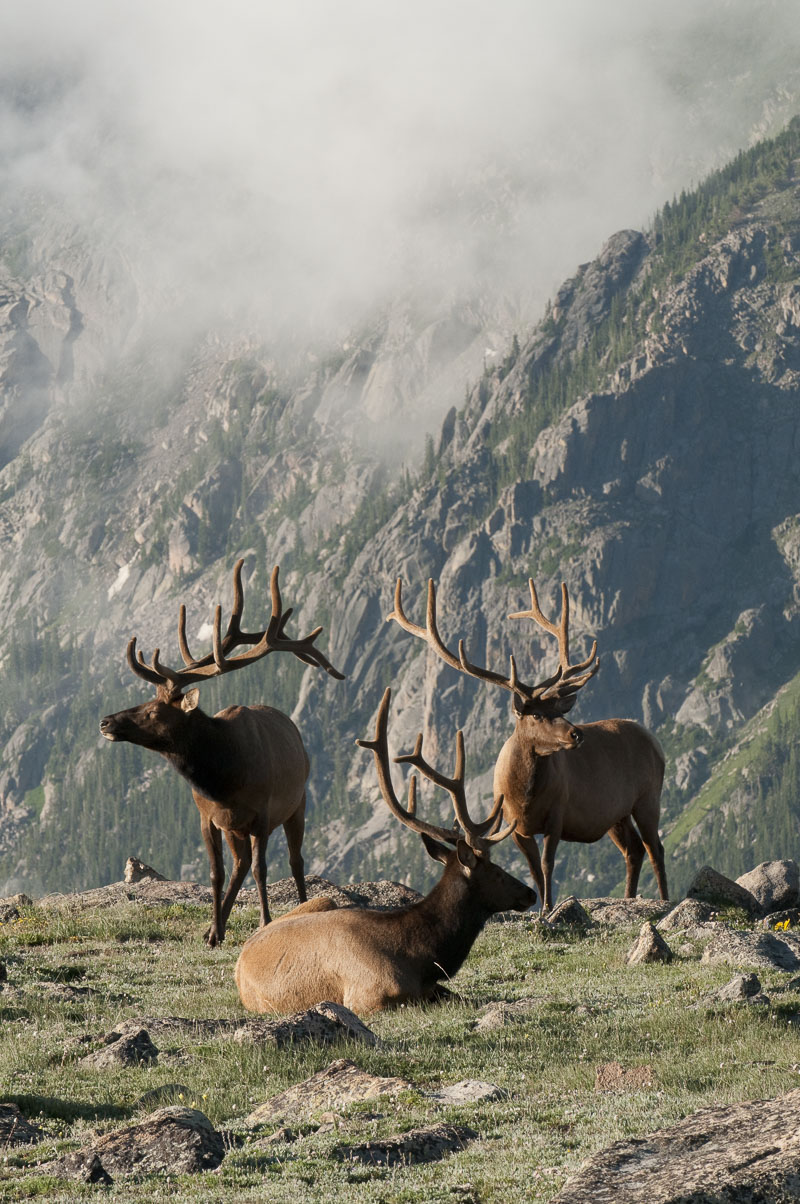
(212, 838)
(530, 849)
(242, 857)
(549, 846)
(259, 847)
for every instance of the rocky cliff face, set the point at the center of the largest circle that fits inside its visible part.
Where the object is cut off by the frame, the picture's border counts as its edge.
(641, 443)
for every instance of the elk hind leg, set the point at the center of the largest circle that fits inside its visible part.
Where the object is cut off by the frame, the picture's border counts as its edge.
(294, 827)
(549, 846)
(627, 840)
(259, 853)
(646, 817)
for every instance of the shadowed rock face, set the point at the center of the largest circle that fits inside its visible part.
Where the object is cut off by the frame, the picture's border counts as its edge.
(744, 1154)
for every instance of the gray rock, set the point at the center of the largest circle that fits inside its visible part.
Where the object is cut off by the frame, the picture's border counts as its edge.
(124, 1050)
(500, 1014)
(173, 1140)
(619, 913)
(741, 1154)
(775, 884)
(570, 914)
(788, 918)
(468, 1091)
(742, 988)
(137, 871)
(338, 1085)
(712, 887)
(688, 914)
(15, 1129)
(418, 1145)
(324, 1023)
(650, 947)
(762, 949)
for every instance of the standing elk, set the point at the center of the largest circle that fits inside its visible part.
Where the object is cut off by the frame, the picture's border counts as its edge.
(367, 959)
(561, 780)
(247, 765)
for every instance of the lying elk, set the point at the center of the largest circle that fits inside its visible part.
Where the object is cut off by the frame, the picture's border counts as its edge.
(247, 765)
(367, 959)
(560, 780)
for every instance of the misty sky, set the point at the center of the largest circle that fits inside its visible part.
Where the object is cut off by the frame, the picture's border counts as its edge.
(306, 161)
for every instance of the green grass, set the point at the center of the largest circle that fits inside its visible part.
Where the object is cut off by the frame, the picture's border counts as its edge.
(587, 1008)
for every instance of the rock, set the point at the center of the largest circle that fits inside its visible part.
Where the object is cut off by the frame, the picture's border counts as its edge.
(498, 1015)
(137, 871)
(15, 1129)
(762, 949)
(621, 912)
(774, 884)
(570, 914)
(324, 1023)
(128, 1050)
(689, 913)
(739, 1154)
(173, 1140)
(781, 920)
(10, 905)
(418, 1145)
(742, 988)
(712, 887)
(340, 1084)
(650, 947)
(468, 1091)
(612, 1076)
(383, 896)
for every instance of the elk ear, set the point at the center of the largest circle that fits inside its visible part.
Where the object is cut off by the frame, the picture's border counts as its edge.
(467, 857)
(562, 705)
(435, 848)
(190, 699)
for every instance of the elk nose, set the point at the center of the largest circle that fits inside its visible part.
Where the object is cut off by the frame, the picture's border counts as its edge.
(576, 737)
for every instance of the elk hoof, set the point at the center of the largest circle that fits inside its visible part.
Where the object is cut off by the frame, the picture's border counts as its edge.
(212, 937)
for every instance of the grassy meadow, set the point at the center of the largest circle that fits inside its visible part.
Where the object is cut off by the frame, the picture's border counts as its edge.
(587, 1008)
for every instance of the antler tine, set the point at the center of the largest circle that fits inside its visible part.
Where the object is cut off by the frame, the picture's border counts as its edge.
(567, 679)
(430, 632)
(380, 748)
(477, 834)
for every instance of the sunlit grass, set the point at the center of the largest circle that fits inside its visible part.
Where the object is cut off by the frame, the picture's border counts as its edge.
(78, 975)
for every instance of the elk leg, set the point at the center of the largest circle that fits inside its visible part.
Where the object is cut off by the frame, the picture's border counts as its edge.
(294, 827)
(242, 856)
(627, 840)
(648, 828)
(530, 849)
(212, 838)
(549, 846)
(259, 854)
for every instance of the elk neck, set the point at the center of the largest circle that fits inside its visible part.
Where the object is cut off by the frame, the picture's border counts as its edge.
(449, 920)
(205, 754)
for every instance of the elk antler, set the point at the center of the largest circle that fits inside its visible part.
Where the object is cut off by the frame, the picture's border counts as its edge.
(477, 835)
(564, 683)
(213, 664)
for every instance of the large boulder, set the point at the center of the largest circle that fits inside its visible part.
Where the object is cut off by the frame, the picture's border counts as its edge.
(710, 886)
(774, 884)
(174, 1140)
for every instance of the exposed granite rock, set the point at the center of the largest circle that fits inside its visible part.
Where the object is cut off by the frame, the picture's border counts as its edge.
(16, 1129)
(650, 947)
(338, 1085)
(774, 884)
(620, 913)
(323, 1024)
(127, 1050)
(709, 886)
(740, 1154)
(612, 1076)
(687, 914)
(742, 988)
(137, 871)
(173, 1140)
(569, 914)
(762, 949)
(418, 1145)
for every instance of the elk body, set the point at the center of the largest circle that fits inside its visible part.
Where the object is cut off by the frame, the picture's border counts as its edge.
(565, 781)
(246, 765)
(367, 959)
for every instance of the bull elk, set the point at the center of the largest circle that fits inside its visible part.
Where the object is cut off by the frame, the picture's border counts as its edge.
(559, 780)
(368, 959)
(246, 765)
